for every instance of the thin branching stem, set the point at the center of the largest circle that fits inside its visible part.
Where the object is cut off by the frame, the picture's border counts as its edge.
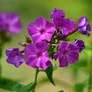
(36, 76)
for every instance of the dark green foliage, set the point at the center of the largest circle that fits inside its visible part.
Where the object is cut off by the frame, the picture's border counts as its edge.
(11, 85)
(51, 51)
(49, 73)
(24, 56)
(27, 88)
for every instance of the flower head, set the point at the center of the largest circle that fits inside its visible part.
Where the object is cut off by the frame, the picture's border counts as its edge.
(64, 24)
(10, 22)
(83, 26)
(67, 53)
(79, 44)
(37, 56)
(14, 57)
(41, 30)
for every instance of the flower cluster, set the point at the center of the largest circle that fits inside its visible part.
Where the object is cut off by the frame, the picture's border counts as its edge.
(10, 22)
(46, 35)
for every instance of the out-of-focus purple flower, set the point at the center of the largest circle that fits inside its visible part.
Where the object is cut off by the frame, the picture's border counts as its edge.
(80, 44)
(14, 57)
(57, 13)
(41, 30)
(13, 23)
(10, 22)
(61, 23)
(67, 53)
(37, 56)
(3, 22)
(83, 26)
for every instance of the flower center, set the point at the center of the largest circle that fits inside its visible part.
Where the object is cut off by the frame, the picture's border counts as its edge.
(39, 54)
(7, 25)
(16, 54)
(65, 52)
(42, 31)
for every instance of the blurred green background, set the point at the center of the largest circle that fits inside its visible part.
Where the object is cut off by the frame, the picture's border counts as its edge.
(29, 10)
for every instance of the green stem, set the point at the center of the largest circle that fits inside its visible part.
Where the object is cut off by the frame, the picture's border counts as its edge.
(36, 75)
(90, 75)
(0, 62)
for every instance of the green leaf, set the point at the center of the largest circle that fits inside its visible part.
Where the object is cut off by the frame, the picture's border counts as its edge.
(49, 72)
(27, 88)
(9, 85)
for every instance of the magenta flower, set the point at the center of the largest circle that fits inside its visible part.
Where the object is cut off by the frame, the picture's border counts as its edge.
(37, 56)
(10, 22)
(67, 53)
(14, 57)
(80, 44)
(64, 24)
(83, 26)
(41, 30)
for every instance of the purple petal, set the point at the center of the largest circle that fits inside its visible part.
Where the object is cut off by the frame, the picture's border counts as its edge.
(73, 57)
(31, 61)
(32, 29)
(88, 27)
(79, 44)
(3, 17)
(43, 46)
(41, 21)
(56, 56)
(30, 49)
(48, 37)
(63, 45)
(68, 26)
(14, 23)
(15, 28)
(73, 48)
(63, 61)
(83, 21)
(57, 13)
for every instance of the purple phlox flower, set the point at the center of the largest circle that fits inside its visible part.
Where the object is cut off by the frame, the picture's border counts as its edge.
(64, 24)
(83, 26)
(41, 30)
(37, 56)
(67, 53)
(79, 44)
(14, 57)
(10, 22)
